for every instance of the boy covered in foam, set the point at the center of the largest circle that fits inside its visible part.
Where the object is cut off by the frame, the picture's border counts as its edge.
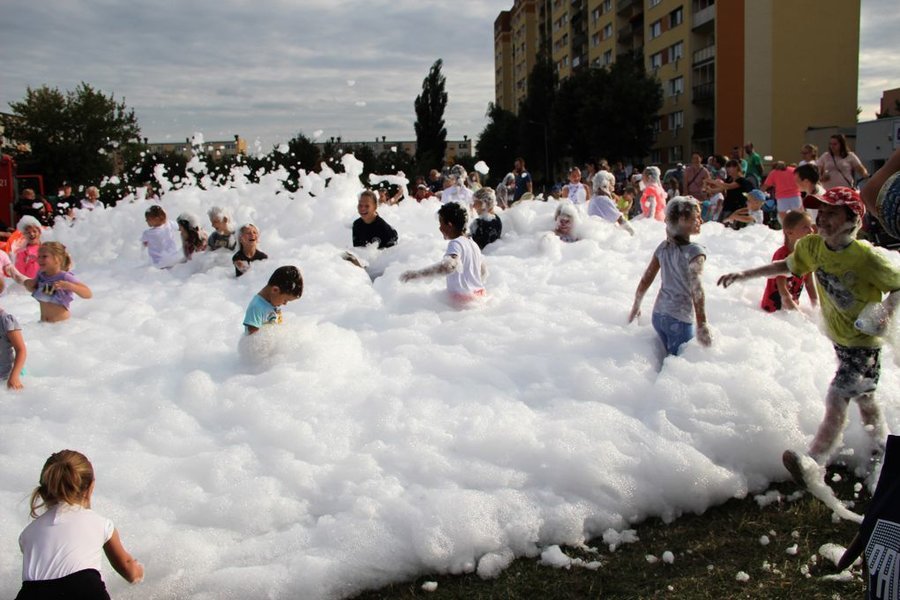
(849, 276)
(162, 240)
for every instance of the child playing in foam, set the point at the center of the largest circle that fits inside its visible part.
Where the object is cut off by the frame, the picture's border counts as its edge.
(370, 228)
(457, 190)
(653, 199)
(54, 287)
(565, 222)
(849, 276)
(681, 296)
(285, 285)
(248, 251)
(783, 291)
(602, 203)
(25, 248)
(223, 233)
(61, 547)
(162, 240)
(462, 263)
(193, 238)
(12, 349)
(486, 228)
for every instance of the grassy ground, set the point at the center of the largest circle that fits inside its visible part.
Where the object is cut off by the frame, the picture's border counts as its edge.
(709, 550)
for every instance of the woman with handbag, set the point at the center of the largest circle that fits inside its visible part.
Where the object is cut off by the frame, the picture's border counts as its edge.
(838, 166)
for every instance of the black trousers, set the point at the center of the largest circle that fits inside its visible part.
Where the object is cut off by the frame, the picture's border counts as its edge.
(81, 585)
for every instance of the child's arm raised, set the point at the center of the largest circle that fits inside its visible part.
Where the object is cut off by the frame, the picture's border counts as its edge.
(697, 295)
(30, 284)
(18, 345)
(778, 267)
(124, 564)
(448, 265)
(644, 284)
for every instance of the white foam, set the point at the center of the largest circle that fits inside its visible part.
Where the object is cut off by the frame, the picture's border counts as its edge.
(381, 434)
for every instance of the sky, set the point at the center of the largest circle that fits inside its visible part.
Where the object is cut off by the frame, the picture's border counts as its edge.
(272, 68)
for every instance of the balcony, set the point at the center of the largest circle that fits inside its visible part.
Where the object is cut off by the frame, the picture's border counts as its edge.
(705, 93)
(704, 55)
(623, 5)
(704, 16)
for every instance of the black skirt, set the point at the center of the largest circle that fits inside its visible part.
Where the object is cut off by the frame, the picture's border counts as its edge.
(81, 585)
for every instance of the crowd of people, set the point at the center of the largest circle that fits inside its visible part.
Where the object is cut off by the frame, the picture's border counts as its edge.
(846, 278)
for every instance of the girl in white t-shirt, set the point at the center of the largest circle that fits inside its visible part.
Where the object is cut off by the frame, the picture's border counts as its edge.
(462, 263)
(61, 547)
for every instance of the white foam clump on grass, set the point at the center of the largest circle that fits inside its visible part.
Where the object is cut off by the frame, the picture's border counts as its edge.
(385, 434)
(742, 576)
(430, 586)
(668, 557)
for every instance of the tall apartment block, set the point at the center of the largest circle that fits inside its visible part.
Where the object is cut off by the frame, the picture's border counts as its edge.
(731, 71)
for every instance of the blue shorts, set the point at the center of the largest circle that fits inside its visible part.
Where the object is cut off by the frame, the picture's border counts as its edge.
(672, 332)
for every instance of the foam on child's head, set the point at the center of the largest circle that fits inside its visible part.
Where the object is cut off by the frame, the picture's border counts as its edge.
(681, 207)
(487, 197)
(566, 209)
(218, 213)
(604, 181)
(27, 221)
(188, 220)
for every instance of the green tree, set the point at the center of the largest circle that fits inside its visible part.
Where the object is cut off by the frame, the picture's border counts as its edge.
(72, 136)
(607, 113)
(431, 136)
(498, 142)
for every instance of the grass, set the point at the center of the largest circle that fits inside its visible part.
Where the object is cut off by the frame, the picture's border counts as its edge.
(709, 551)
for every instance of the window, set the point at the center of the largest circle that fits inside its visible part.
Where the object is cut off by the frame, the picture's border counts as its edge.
(676, 17)
(607, 31)
(607, 58)
(676, 120)
(565, 60)
(676, 86)
(655, 157)
(654, 3)
(595, 40)
(655, 29)
(656, 60)
(595, 15)
(676, 51)
(675, 154)
(657, 124)
(607, 6)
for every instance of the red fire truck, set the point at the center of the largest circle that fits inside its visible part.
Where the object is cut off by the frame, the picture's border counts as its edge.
(11, 183)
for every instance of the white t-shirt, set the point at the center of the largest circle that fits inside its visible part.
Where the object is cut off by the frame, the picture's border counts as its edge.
(605, 208)
(838, 171)
(164, 245)
(64, 540)
(466, 280)
(457, 193)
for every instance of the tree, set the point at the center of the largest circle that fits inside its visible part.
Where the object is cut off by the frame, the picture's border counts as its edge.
(431, 136)
(72, 136)
(499, 141)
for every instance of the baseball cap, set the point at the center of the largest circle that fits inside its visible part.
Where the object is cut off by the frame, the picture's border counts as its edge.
(837, 196)
(758, 195)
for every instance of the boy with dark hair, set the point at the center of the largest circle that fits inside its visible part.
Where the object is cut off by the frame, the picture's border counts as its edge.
(849, 276)
(807, 177)
(462, 263)
(370, 228)
(285, 285)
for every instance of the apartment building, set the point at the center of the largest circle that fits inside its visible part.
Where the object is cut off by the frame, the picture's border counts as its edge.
(455, 150)
(216, 150)
(731, 71)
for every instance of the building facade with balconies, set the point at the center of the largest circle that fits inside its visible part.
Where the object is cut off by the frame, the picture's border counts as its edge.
(731, 71)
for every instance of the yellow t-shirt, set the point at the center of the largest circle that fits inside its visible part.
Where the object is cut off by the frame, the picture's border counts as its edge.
(847, 280)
